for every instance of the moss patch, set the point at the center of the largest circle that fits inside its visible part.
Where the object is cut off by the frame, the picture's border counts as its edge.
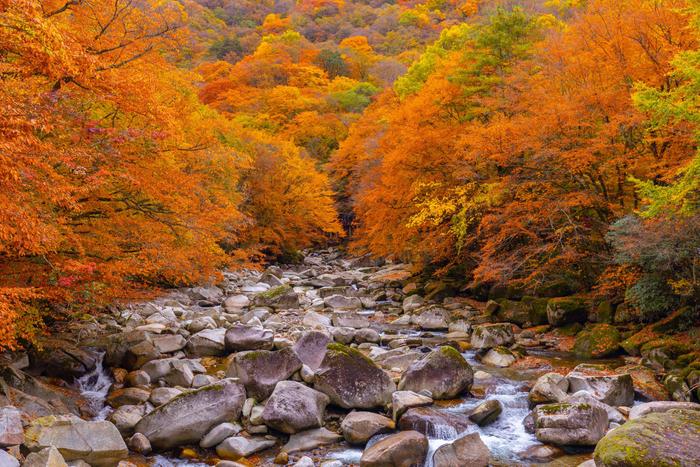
(597, 341)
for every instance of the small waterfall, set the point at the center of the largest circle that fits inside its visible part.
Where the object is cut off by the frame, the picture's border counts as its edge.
(94, 386)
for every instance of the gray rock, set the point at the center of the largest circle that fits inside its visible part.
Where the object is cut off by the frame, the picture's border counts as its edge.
(261, 370)
(62, 358)
(412, 302)
(294, 407)
(169, 344)
(488, 336)
(583, 397)
(207, 343)
(304, 462)
(311, 348)
(126, 417)
(236, 302)
(359, 427)
(236, 447)
(346, 319)
(138, 378)
(499, 357)
(47, 457)
(98, 443)
(432, 319)
(550, 387)
(219, 433)
(127, 396)
(311, 439)
(566, 424)
(659, 407)
(316, 320)
(401, 401)
(180, 374)
(352, 380)
(615, 390)
(443, 372)
(343, 335)
(367, 335)
(241, 337)
(7, 460)
(468, 450)
(341, 302)
(140, 444)
(188, 417)
(405, 449)
(486, 412)
(11, 429)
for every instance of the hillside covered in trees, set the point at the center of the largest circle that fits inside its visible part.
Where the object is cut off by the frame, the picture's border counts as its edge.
(535, 146)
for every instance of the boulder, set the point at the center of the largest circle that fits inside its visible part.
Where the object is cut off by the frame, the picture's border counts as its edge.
(62, 358)
(47, 457)
(352, 380)
(600, 340)
(311, 439)
(513, 311)
(281, 297)
(367, 335)
(656, 439)
(98, 443)
(7, 460)
(170, 343)
(160, 396)
(412, 302)
(612, 389)
(236, 302)
(311, 348)
(499, 357)
(550, 387)
(359, 427)
(401, 401)
(127, 396)
(260, 370)
(486, 412)
(468, 450)
(659, 407)
(294, 407)
(565, 424)
(241, 337)
(316, 320)
(346, 319)
(207, 343)
(444, 372)
(566, 310)
(405, 449)
(432, 319)
(11, 429)
(189, 416)
(219, 433)
(126, 417)
(236, 447)
(140, 444)
(341, 302)
(488, 336)
(435, 423)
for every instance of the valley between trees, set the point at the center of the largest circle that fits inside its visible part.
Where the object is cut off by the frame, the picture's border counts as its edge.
(489, 183)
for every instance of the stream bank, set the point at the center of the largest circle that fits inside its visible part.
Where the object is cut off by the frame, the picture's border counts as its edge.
(264, 369)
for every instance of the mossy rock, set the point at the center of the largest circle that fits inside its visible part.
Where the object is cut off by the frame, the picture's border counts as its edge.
(513, 311)
(537, 310)
(670, 346)
(600, 340)
(274, 292)
(633, 344)
(557, 288)
(667, 439)
(604, 312)
(570, 329)
(678, 321)
(567, 310)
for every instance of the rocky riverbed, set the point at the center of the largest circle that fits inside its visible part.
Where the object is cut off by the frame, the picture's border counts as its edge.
(336, 361)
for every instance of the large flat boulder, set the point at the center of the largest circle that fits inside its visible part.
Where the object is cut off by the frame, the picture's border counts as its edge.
(294, 407)
(352, 380)
(469, 450)
(435, 423)
(405, 449)
(444, 372)
(241, 337)
(97, 443)
(260, 370)
(607, 386)
(662, 439)
(570, 424)
(358, 427)
(189, 416)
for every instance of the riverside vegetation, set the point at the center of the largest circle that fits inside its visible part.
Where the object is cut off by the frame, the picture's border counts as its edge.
(349, 232)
